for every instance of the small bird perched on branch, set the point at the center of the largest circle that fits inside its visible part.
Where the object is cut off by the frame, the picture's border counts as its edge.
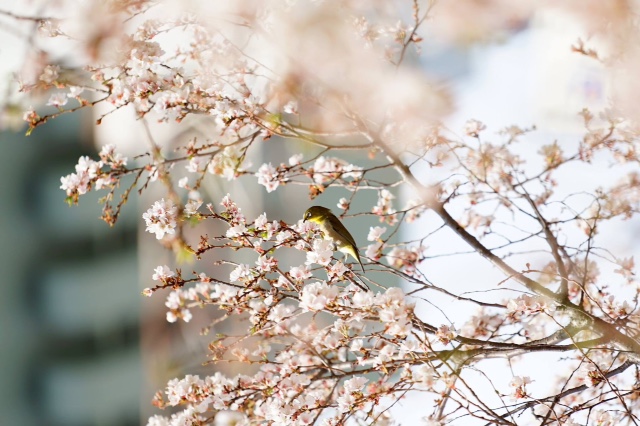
(333, 229)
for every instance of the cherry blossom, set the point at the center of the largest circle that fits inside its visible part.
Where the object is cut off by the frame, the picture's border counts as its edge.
(109, 156)
(473, 128)
(192, 206)
(268, 177)
(300, 273)
(352, 388)
(446, 334)
(50, 74)
(384, 207)
(266, 264)
(328, 168)
(57, 100)
(228, 163)
(80, 182)
(337, 271)
(161, 218)
(519, 383)
(376, 232)
(425, 375)
(241, 273)
(316, 296)
(176, 304)
(528, 305)
(321, 252)
(161, 273)
(236, 230)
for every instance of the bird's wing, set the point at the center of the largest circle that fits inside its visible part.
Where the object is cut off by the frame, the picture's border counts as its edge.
(339, 228)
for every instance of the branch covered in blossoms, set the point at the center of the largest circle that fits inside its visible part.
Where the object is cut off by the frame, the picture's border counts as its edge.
(494, 257)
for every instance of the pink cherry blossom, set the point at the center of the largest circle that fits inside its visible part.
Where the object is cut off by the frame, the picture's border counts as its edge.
(161, 218)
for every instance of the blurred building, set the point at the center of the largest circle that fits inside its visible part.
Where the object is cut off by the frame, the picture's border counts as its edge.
(70, 301)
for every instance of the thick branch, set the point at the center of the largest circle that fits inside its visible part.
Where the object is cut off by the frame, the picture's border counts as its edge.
(579, 316)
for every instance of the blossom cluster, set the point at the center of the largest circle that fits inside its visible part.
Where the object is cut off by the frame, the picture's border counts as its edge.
(161, 218)
(529, 305)
(90, 173)
(227, 162)
(384, 207)
(297, 364)
(256, 291)
(324, 170)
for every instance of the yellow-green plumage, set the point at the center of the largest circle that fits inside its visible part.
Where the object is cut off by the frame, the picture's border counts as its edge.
(333, 229)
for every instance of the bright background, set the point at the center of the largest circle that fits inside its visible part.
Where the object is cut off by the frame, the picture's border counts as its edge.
(80, 346)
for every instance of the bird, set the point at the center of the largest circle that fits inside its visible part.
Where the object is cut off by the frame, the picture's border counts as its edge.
(333, 229)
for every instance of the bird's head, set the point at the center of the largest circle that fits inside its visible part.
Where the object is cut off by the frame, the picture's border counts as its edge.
(315, 214)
